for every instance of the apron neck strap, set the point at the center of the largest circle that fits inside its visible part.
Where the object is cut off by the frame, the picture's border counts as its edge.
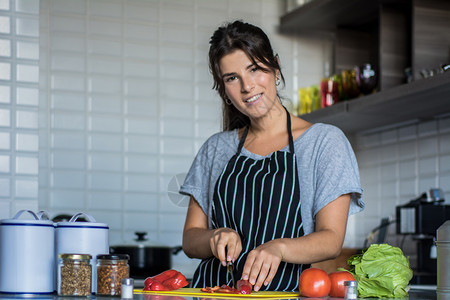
(291, 140)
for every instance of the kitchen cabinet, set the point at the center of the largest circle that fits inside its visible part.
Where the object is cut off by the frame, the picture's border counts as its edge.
(393, 35)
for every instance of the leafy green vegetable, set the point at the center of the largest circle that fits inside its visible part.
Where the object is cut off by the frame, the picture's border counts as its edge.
(381, 271)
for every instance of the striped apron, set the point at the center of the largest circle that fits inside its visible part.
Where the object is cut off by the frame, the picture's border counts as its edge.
(260, 200)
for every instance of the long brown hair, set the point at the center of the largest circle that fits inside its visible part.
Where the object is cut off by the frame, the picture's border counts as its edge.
(255, 43)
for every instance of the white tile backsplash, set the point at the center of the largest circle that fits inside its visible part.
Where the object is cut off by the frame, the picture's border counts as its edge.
(5, 140)
(68, 62)
(101, 200)
(110, 8)
(5, 24)
(105, 181)
(104, 104)
(141, 183)
(5, 117)
(27, 26)
(72, 82)
(68, 140)
(26, 188)
(5, 94)
(27, 96)
(141, 32)
(5, 71)
(110, 162)
(105, 142)
(26, 50)
(60, 179)
(27, 119)
(5, 164)
(68, 43)
(68, 101)
(5, 186)
(26, 142)
(68, 121)
(411, 160)
(64, 159)
(27, 6)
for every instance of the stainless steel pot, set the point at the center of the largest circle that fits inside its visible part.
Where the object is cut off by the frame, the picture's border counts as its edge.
(146, 260)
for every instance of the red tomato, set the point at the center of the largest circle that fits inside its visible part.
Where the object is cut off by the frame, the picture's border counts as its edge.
(314, 282)
(337, 282)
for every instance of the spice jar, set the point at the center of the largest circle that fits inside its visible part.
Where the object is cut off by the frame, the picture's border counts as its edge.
(350, 290)
(74, 274)
(127, 288)
(111, 269)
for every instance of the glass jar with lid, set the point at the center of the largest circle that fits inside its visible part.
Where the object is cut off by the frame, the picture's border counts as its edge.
(111, 269)
(74, 274)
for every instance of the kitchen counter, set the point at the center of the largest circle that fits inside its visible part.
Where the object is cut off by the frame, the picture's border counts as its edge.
(419, 293)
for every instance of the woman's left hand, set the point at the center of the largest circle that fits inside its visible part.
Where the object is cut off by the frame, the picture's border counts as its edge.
(262, 264)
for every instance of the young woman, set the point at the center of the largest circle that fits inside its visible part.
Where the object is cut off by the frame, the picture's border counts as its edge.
(272, 192)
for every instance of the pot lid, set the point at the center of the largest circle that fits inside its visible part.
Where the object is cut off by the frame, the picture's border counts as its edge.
(141, 241)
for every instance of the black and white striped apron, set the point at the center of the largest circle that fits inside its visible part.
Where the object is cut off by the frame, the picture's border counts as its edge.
(260, 199)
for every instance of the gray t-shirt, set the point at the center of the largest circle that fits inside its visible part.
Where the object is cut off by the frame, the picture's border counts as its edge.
(327, 169)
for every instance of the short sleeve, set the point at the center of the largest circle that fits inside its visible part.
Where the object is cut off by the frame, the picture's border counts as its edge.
(327, 170)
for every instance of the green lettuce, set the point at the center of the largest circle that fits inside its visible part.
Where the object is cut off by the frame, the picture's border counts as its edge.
(381, 271)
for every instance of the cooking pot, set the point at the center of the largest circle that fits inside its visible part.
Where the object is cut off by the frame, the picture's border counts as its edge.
(146, 260)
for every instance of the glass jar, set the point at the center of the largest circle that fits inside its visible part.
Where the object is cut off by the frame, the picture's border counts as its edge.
(111, 269)
(74, 274)
(350, 290)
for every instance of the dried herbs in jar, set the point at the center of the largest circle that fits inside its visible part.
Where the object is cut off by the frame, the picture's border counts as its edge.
(111, 269)
(74, 274)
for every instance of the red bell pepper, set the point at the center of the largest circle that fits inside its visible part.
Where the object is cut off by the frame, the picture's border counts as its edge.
(166, 281)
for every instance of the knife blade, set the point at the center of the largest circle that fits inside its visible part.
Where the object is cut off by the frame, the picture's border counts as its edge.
(230, 269)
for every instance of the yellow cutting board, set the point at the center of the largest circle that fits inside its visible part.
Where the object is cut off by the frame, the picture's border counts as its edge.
(191, 292)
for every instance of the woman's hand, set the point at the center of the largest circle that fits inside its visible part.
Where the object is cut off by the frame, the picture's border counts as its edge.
(225, 245)
(262, 263)
(201, 242)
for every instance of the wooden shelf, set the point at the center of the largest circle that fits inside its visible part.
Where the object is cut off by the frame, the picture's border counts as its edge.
(420, 100)
(360, 31)
(328, 15)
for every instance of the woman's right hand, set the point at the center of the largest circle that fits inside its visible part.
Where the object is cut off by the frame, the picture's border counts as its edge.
(225, 244)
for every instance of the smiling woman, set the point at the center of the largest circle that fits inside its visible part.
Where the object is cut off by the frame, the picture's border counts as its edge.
(266, 163)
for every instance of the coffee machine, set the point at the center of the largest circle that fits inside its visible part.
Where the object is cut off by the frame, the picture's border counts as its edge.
(420, 218)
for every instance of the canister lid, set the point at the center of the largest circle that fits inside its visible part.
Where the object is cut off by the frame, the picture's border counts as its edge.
(36, 220)
(443, 232)
(350, 283)
(114, 256)
(72, 223)
(74, 256)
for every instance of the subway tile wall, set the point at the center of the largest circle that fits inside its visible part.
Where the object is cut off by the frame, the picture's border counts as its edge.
(126, 102)
(398, 165)
(19, 98)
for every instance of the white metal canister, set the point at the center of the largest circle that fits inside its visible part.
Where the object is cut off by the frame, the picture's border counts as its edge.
(443, 260)
(27, 257)
(82, 238)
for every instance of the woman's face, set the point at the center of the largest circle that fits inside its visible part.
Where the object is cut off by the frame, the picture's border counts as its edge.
(251, 89)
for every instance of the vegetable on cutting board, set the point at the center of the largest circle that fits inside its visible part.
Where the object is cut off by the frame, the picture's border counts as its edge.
(242, 287)
(166, 281)
(381, 271)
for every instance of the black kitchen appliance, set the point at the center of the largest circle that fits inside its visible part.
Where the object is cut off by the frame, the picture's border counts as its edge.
(420, 218)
